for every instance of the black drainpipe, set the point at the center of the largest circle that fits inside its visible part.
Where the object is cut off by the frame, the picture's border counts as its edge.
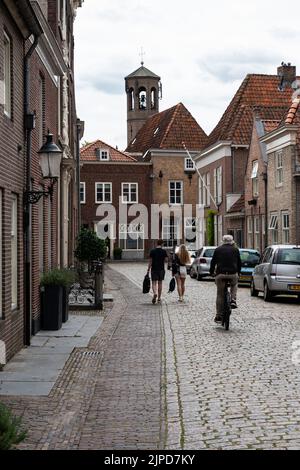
(29, 119)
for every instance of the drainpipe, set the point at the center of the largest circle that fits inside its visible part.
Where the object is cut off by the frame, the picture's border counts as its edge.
(29, 122)
(265, 178)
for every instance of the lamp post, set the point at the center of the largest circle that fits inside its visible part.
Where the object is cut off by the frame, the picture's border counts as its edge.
(50, 159)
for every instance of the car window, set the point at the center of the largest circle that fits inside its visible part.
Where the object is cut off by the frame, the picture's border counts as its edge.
(288, 256)
(249, 258)
(209, 253)
(266, 255)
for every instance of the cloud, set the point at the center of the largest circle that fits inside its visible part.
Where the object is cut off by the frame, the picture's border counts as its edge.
(228, 67)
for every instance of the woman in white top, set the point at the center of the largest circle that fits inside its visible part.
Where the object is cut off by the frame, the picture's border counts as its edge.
(182, 258)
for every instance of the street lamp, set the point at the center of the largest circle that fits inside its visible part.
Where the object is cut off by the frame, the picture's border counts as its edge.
(50, 160)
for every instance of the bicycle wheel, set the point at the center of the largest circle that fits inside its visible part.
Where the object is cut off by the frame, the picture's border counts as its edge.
(227, 311)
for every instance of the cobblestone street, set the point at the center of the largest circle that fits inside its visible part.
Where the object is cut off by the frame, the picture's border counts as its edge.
(166, 377)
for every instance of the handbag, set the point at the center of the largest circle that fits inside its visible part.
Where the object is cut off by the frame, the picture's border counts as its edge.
(172, 285)
(146, 284)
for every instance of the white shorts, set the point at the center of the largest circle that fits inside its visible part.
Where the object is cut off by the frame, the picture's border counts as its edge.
(182, 271)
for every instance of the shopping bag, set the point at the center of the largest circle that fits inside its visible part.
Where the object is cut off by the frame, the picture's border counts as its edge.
(172, 285)
(146, 284)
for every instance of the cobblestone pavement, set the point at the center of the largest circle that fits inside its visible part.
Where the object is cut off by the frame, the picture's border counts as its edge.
(166, 377)
(108, 395)
(229, 390)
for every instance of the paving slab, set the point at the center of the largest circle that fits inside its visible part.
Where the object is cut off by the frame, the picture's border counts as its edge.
(35, 369)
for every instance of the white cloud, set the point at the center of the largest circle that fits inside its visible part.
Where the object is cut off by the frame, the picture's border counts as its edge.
(201, 50)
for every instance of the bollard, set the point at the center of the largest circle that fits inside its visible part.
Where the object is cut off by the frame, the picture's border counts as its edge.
(98, 267)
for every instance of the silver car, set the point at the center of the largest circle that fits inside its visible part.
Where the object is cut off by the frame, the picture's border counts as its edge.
(201, 264)
(278, 272)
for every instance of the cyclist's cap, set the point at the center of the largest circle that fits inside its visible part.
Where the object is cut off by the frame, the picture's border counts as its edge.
(228, 239)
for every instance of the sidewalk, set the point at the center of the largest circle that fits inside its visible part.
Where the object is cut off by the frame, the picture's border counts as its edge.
(108, 394)
(35, 369)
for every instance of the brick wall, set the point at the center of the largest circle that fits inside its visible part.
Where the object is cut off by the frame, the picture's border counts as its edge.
(11, 182)
(117, 174)
(283, 198)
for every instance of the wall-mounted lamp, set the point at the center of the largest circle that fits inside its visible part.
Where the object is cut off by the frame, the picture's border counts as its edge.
(50, 160)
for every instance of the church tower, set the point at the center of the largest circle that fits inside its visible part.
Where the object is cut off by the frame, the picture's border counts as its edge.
(143, 89)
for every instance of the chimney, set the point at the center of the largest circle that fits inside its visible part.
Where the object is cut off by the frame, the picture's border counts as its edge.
(287, 75)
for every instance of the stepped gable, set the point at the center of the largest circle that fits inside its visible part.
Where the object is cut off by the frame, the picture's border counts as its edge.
(168, 130)
(88, 153)
(256, 91)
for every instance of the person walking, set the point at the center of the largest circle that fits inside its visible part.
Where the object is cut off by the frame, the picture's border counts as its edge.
(158, 258)
(226, 265)
(181, 259)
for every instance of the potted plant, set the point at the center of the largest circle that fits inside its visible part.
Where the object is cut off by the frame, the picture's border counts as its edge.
(89, 248)
(53, 284)
(118, 253)
(11, 432)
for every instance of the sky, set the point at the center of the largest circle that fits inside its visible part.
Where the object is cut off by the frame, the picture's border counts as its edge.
(201, 50)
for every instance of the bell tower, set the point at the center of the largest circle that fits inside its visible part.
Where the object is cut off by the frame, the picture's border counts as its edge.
(143, 90)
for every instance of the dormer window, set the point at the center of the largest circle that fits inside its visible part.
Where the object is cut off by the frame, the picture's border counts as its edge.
(102, 154)
(189, 164)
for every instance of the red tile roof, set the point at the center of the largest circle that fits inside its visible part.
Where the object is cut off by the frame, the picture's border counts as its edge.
(167, 130)
(256, 91)
(88, 153)
(291, 116)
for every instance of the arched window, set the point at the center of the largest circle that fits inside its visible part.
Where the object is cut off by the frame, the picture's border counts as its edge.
(142, 98)
(153, 98)
(131, 99)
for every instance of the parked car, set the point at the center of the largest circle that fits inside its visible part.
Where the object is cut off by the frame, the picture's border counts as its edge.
(278, 272)
(201, 264)
(250, 258)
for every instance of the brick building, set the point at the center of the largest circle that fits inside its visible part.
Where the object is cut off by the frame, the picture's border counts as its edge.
(36, 67)
(283, 175)
(223, 163)
(111, 177)
(161, 141)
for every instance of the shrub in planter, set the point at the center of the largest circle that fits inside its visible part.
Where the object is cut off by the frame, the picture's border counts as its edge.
(89, 248)
(55, 286)
(118, 253)
(11, 432)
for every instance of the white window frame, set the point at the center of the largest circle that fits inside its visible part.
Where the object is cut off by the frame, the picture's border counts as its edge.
(170, 226)
(256, 233)
(279, 168)
(207, 190)
(103, 192)
(254, 177)
(83, 186)
(285, 217)
(130, 200)
(103, 154)
(250, 231)
(7, 90)
(273, 228)
(189, 164)
(176, 189)
(218, 186)
(138, 230)
(14, 251)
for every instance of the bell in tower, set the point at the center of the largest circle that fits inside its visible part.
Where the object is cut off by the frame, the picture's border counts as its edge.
(143, 89)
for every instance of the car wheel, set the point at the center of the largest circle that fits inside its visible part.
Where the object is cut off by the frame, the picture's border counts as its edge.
(267, 293)
(199, 277)
(192, 273)
(253, 291)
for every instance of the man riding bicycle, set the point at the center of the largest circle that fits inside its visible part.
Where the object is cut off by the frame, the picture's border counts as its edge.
(226, 265)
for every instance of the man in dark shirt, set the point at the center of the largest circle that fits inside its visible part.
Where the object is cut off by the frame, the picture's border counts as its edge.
(158, 257)
(226, 265)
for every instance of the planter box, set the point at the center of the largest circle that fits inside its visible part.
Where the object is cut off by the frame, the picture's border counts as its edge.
(65, 304)
(52, 298)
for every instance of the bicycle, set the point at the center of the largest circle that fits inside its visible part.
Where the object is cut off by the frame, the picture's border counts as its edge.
(227, 306)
